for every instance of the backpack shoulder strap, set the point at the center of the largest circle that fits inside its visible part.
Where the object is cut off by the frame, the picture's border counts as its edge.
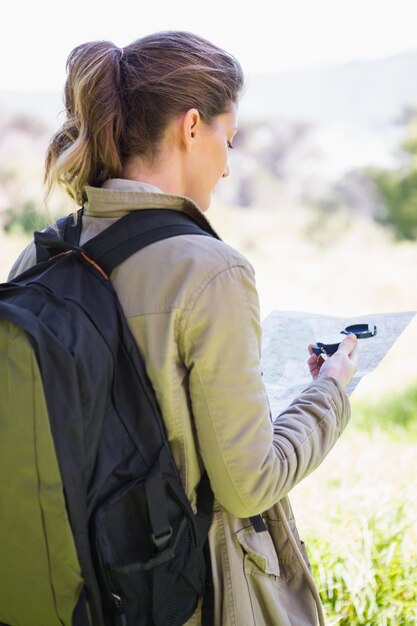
(137, 230)
(116, 243)
(66, 228)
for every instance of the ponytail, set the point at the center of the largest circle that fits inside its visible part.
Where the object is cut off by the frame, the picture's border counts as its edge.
(120, 102)
(85, 150)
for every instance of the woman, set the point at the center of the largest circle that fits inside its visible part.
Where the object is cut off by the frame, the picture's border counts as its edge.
(150, 126)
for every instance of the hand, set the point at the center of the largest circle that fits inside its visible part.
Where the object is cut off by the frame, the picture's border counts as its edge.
(342, 365)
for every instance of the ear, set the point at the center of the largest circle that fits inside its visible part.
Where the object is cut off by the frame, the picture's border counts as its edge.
(190, 128)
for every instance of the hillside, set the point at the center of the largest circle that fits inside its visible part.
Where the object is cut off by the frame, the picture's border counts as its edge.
(368, 94)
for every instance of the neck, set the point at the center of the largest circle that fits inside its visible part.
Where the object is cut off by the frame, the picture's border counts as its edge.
(166, 176)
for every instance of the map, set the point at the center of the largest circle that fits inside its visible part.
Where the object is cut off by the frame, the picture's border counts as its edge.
(286, 335)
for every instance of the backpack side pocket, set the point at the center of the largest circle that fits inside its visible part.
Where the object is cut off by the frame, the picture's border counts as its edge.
(145, 583)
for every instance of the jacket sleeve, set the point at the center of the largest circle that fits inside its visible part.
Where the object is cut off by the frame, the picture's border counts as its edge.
(251, 462)
(24, 261)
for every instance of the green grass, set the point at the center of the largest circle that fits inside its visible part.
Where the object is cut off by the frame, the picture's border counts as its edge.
(367, 576)
(358, 515)
(394, 414)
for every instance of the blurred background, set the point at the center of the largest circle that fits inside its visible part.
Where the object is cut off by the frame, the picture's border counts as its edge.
(322, 199)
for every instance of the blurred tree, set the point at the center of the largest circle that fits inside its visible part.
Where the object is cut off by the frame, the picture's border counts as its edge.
(23, 142)
(398, 188)
(26, 219)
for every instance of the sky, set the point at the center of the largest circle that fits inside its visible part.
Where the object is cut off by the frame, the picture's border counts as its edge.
(265, 35)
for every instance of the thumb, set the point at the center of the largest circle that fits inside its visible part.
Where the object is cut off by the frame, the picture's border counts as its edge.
(348, 344)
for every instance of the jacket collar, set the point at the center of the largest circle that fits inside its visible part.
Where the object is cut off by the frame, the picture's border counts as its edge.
(118, 196)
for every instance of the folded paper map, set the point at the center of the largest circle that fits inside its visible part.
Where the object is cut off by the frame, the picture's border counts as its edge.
(286, 335)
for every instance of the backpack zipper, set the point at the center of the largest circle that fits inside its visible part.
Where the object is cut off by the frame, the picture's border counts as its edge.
(118, 605)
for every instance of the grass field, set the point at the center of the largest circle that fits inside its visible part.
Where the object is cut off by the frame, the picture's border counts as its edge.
(357, 514)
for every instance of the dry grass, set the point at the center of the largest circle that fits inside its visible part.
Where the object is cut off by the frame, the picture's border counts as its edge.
(361, 475)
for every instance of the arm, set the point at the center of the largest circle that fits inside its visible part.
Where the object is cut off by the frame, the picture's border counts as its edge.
(251, 463)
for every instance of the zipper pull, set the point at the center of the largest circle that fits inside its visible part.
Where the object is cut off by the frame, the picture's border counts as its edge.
(118, 605)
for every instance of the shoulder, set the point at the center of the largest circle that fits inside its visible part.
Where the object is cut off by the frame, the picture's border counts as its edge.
(218, 267)
(199, 259)
(217, 253)
(188, 255)
(174, 272)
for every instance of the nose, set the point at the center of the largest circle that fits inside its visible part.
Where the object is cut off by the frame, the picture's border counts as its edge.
(226, 172)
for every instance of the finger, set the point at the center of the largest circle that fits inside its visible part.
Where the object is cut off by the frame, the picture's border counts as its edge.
(355, 353)
(314, 371)
(348, 344)
(312, 358)
(310, 348)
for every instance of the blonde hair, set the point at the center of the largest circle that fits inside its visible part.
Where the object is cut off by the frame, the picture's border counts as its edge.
(118, 103)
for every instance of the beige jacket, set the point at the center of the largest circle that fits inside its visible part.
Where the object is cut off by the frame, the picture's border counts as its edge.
(192, 305)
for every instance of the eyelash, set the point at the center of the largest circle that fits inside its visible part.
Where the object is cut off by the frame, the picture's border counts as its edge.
(229, 145)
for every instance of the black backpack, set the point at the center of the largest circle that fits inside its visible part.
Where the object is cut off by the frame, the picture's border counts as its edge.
(95, 527)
